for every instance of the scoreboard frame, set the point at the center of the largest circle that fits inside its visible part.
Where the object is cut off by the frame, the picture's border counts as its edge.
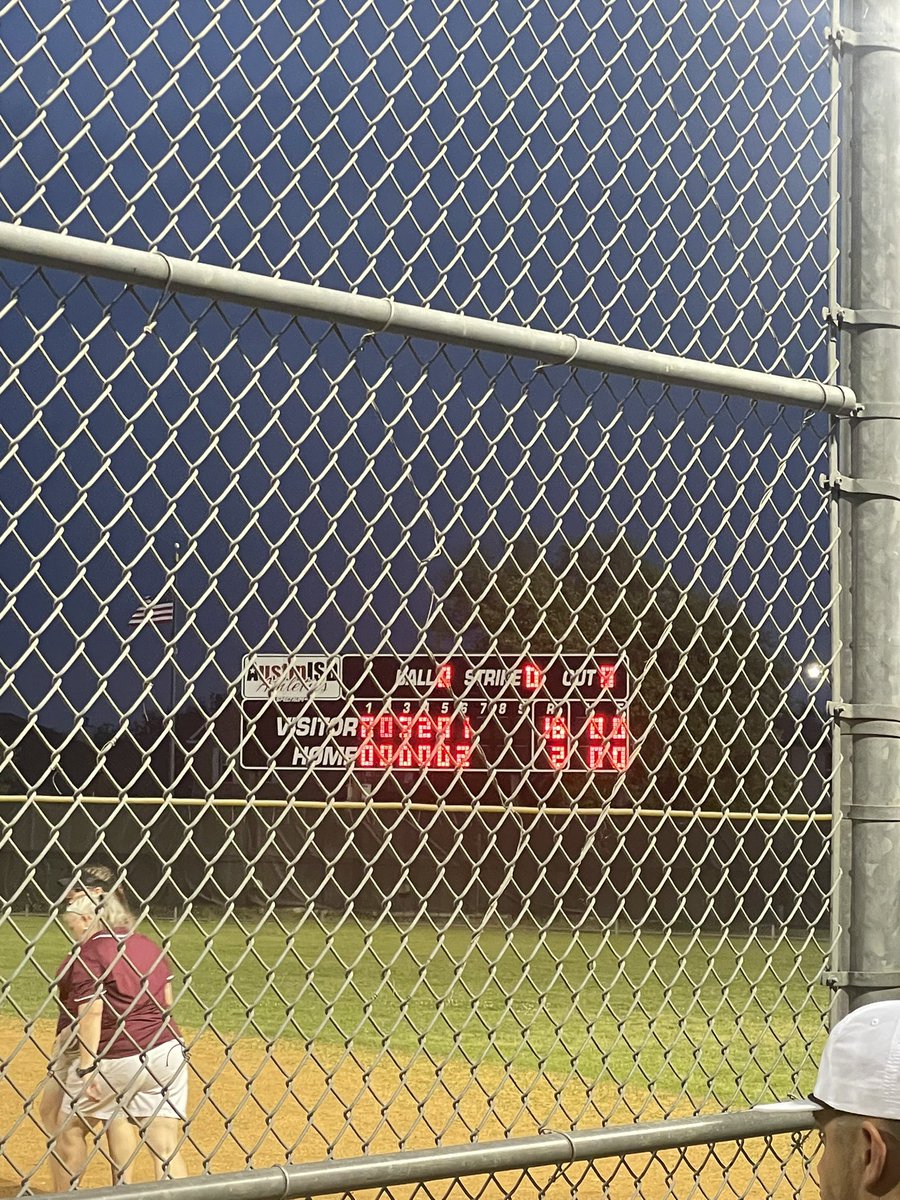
(435, 717)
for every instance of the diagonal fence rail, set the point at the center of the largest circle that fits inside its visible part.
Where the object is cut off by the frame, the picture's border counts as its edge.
(487, 1160)
(220, 285)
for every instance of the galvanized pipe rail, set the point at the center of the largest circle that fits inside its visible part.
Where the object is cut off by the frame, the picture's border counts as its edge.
(384, 1171)
(152, 268)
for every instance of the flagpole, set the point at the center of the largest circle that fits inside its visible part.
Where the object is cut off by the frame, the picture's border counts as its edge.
(174, 655)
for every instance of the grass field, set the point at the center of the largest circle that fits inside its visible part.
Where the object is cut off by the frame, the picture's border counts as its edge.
(719, 1020)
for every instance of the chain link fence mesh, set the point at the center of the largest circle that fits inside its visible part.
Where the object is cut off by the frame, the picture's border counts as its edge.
(366, 962)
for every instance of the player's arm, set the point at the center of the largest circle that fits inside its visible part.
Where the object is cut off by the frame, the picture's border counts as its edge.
(87, 995)
(90, 1017)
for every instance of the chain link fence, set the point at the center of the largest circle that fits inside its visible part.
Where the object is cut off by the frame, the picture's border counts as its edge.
(217, 512)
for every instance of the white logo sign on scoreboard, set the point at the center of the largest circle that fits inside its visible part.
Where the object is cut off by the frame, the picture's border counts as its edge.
(291, 677)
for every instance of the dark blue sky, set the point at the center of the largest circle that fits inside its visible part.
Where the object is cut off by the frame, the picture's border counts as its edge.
(657, 179)
(610, 173)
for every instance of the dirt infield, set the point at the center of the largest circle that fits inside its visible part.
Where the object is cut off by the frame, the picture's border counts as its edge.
(253, 1105)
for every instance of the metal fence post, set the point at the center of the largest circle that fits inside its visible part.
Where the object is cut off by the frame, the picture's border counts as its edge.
(869, 487)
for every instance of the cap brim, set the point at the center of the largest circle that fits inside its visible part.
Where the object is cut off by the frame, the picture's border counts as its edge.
(808, 1105)
(68, 882)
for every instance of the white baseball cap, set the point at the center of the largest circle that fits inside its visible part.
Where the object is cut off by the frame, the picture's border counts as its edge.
(860, 1067)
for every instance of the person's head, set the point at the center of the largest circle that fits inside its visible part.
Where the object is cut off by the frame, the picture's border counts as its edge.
(857, 1094)
(93, 898)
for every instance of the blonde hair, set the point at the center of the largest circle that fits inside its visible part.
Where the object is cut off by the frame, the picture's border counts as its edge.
(111, 909)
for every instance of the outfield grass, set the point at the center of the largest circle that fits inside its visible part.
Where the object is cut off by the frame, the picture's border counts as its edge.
(722, 1020)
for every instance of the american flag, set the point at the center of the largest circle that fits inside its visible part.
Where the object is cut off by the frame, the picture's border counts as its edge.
(160, 613)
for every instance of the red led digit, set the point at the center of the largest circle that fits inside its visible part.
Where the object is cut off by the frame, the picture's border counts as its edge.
(442, 756)
(384, 743)
(607, 676)
(555, 730)
(365, 755)
(555, 727)
(557, 756)
(532, 677)
(618, 744)
(444, 677)
(596, 741)
(597, 727)
(462, 751)
(424, 744)
(405, 750)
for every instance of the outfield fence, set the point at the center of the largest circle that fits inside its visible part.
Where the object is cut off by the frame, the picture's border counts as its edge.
(449, 461)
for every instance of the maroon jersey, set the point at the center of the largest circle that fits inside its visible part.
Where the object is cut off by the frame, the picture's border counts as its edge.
(129, 973)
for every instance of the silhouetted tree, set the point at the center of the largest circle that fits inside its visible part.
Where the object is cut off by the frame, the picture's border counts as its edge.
(708, 687)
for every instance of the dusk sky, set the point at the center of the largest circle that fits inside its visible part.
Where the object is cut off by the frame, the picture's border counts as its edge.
(593, 175)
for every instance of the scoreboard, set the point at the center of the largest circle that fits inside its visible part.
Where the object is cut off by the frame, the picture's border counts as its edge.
(454, 716)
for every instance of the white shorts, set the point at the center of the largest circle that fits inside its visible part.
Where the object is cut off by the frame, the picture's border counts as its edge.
(60, 1066)
(142, 1086)
(63, 1056)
